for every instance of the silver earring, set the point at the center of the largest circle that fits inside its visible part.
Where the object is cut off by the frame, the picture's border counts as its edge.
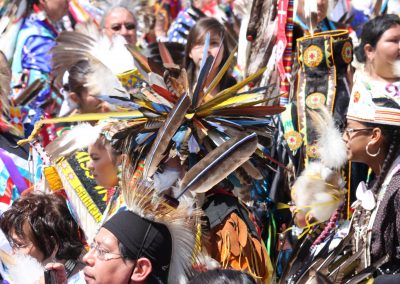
(368, 152)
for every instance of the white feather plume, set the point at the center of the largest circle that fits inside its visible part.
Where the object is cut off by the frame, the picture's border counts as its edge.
(22, 269)
(319, 189)
(106, 58)
(331, 147)
(79, 137)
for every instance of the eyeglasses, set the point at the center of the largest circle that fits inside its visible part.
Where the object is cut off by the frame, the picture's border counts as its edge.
(349, 131)
(118, 27)
(102, 254)
(16, 246)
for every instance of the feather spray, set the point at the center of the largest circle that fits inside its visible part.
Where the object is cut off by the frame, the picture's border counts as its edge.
(318, 192)
(311, 15)
(218, 164)
(165, 133)
(182, 223)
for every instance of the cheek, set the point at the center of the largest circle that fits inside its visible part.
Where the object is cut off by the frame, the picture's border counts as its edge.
(105, 272)
(389, 52)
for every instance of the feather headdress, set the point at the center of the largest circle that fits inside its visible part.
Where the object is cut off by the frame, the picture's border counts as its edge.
(107, 59)
(318, 192)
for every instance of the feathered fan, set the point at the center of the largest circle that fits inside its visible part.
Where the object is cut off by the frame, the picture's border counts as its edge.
(106, 59)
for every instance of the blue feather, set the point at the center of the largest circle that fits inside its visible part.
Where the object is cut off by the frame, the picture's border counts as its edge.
(205, 50)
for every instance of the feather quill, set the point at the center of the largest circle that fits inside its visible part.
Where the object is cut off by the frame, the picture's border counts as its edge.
(165, 133)
(311, 15)
(197, 94)
(221, 72)
(205, 50)
(218, 164)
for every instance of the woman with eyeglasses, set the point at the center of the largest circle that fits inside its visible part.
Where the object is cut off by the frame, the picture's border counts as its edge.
(372, 137)
(119, 20)
(41, 226)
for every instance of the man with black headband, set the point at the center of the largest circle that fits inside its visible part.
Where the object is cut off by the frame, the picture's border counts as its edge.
(127, 249)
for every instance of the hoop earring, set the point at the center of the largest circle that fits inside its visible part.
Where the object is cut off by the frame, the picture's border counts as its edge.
(369, 154)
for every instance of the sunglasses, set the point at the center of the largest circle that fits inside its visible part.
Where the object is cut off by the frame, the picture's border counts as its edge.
(128, 26)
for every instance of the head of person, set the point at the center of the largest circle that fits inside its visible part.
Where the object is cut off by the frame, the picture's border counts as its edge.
(54, 9)
(195, 47)
(79, 93)
(379, 48)
(129, 249)
(104, 162)
(222, 276)
(372, 133)
(40, 225)
(120, 21)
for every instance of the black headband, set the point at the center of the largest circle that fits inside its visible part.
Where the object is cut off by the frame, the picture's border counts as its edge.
(143, 238)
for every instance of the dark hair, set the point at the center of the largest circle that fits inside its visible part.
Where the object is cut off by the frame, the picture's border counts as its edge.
(196, 36)
(77, 77)
(391, 135)
(222, 276)
(50, 224)
(372, 32)
(153, 278)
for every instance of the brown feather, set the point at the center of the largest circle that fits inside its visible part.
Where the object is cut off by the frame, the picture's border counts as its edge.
(219, 163)
(172, 123)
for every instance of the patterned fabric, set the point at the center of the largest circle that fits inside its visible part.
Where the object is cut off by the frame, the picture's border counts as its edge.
(362, 106)
(179, 29)
(386, 228)
(31, 57)
(322, 81)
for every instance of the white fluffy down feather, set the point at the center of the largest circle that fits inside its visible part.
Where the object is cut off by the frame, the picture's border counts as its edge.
(331, 147)
(318, 191)
(31, 268)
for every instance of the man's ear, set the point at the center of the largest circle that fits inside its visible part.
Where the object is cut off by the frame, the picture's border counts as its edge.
(142, 270)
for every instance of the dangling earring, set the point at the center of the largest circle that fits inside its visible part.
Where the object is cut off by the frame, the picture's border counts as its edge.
(368, 153)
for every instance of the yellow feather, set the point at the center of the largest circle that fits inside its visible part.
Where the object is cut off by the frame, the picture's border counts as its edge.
(227, 93)
(233, 101)
(221, 73)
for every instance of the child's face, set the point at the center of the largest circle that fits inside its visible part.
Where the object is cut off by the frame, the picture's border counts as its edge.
(196, 54)
(103, 166)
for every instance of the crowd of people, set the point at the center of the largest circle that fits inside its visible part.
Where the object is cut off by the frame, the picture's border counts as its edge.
(201, 141)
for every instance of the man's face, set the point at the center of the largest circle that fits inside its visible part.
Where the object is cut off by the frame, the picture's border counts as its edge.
(104, 263)
(121, 22)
